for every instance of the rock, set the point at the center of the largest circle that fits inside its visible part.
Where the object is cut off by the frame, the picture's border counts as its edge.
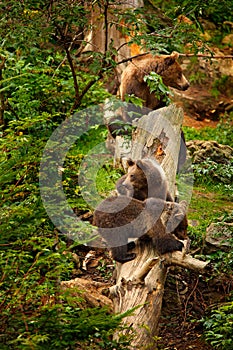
(201, 150)
(219, 236)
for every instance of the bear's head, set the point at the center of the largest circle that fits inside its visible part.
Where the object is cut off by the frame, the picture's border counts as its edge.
(171, 73)
(145, 178)
(135, 181)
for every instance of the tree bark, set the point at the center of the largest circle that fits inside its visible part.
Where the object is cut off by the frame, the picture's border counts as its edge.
(104, 30)
(140, 282)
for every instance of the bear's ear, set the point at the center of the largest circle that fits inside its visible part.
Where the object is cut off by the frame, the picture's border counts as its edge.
(130, 162)
(169, 60)
(140, 164)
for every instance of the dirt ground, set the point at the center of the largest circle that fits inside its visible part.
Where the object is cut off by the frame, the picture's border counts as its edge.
(198, 124)
(187, 298)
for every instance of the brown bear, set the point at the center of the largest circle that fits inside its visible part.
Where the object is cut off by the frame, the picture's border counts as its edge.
(145, 178)
(132, 83)
(120, 218)
(132, 79)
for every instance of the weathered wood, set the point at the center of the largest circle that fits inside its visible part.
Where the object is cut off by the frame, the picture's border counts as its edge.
(158, 136)
(141, 281)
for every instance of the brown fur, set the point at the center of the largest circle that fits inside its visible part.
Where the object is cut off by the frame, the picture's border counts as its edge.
(165, 65)
(145, 178)
(135, 184)
(178, 222)
(121, 218)
(181, 230)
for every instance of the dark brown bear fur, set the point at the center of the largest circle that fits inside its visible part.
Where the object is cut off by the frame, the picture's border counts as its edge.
(135, 184)
(145, 178)
(120, 218)
(132, 79)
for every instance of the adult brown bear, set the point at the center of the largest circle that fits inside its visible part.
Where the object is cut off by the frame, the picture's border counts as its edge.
(132, 83)
(132, 79)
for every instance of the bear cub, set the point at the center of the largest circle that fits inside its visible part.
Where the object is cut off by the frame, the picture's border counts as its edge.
(145, 178)
(122, 218)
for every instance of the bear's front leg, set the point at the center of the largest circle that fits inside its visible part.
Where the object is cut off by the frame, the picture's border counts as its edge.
(121, 254)
(167, 244)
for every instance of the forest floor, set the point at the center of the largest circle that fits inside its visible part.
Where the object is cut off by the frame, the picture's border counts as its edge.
(188, 297)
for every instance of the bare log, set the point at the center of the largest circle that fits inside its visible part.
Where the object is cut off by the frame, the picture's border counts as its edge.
(141, 281)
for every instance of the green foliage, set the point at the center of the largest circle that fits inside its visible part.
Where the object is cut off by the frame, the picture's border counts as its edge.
(219, 327)
(212, 10)
(223, 260)
(221, 134)
(219, 85)
(218, 175)
(156, 86)
(206, 207)
(40, 87)
(37, 42)
(43, 80)
(35, 312)
(197, 77)
(196, 11)
(33, 307)
(134, 100)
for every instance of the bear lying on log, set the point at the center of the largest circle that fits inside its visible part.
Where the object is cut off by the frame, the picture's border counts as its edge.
(121, 218)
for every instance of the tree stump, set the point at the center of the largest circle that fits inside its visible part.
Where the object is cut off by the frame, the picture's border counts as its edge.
(140, 282)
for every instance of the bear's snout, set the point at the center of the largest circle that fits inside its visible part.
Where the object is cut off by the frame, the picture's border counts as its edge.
(184, 84)
(127, 185)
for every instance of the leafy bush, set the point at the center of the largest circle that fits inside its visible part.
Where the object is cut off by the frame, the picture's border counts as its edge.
(35, 312)
(219, 327)
(212, 173)
(211, 10)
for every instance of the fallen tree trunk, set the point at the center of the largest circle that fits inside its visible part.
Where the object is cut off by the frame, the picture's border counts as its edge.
(141, 281)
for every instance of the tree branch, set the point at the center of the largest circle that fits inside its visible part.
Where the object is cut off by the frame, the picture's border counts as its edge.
(76, 87)
(149, 264)
(180, 54)
(205, 56)
(106, 26)
(186, 261)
